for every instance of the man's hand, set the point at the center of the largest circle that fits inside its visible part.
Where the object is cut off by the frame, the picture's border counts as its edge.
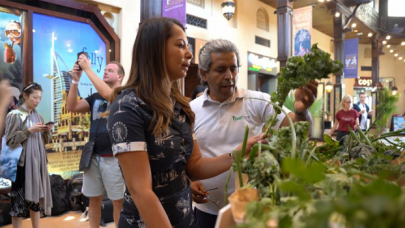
(199, 193)
(305, 96)
(76, 72)
(370, 112)
(361, 112)
(250, 143)
(84, 62)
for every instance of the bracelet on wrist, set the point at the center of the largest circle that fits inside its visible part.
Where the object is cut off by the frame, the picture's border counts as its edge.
(302, 114)
(75, 82)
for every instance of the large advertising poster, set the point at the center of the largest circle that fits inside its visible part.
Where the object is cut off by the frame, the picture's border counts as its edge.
(56, 44)
(302, 30)
(11, 42)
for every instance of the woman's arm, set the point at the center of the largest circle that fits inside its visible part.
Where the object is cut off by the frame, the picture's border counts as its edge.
(14, 135)
(137, 175)
(334, 127)
(199, 168)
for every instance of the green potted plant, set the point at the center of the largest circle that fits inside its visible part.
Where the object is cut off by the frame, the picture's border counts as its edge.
(385, 109)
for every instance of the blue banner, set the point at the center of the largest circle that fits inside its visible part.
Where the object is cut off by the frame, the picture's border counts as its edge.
(351, 58)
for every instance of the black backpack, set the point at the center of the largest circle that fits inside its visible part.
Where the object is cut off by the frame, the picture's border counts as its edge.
(107, 210)
(77, 200)
(60, 199)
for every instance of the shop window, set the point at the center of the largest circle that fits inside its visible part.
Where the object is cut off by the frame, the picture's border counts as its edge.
(199, 3)
(196, 21)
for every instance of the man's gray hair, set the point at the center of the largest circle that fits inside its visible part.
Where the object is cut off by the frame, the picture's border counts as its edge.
(214, 46)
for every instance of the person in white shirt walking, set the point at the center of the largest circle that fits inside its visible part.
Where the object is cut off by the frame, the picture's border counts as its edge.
(364, 110)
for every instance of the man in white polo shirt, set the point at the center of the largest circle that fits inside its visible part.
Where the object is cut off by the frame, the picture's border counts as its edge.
(223, 112)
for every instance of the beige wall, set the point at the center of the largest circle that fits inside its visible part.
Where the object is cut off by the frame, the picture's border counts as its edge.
(392, 67)
(243, 34)
(128, 23)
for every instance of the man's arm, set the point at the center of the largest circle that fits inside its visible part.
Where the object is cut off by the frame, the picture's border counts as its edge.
(72, 104)
(102, 88)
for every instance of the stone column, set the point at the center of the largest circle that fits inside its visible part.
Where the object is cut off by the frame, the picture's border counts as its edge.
(284, 29)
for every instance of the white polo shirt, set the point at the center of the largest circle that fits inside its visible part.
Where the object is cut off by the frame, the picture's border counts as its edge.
(220, 128)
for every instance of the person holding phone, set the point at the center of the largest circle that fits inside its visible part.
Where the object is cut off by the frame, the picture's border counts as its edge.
(31, 191)
(104, 174)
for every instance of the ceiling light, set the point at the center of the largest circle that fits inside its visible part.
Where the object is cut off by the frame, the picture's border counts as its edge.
(396, 54)
(321, 0)
(400, 58)
(403, 43)
(391, 51)
(370, 34)
(388, 46)
(388, 37)
(355, 30)
(337, 14)
(354, 25)
(384, 42)
(228, 9)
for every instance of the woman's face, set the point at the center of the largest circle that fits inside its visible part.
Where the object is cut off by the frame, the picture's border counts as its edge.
(32, 101)
(347, 103)
(177, 55)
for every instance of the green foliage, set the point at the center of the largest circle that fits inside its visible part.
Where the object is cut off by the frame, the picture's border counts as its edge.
(300, 70)
(385, 108)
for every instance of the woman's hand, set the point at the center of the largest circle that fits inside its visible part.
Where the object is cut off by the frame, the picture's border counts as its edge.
(250, 143)
(49, 127)
(38, 127)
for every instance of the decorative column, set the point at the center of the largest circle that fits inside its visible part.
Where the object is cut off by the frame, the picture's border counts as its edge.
(376, 46)
(339, 46)
(284, 29)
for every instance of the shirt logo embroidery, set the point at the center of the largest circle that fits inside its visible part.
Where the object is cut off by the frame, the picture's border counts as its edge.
(236, 118)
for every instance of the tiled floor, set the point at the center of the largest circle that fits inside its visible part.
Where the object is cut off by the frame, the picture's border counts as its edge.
(70, 219)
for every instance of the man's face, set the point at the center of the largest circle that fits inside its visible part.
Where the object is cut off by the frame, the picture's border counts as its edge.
(222, 75)
(13, 32)
(362, 98)
(111, 74)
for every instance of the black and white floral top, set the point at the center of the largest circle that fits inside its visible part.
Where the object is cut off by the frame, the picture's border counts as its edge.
(130, 131)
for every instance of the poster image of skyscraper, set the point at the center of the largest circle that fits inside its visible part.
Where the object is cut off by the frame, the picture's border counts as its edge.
(11, 40)
(56, 42)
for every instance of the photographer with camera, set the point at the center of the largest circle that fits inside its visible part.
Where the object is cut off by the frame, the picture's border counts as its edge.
(104, 174)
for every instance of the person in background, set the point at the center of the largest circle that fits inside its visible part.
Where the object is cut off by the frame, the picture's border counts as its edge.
(5, 97)
(226, 110)
(346, 118)
(13, 104)
(198, 91)
(104, 175)
(31, 191)
(151, 129)
(364, 111)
